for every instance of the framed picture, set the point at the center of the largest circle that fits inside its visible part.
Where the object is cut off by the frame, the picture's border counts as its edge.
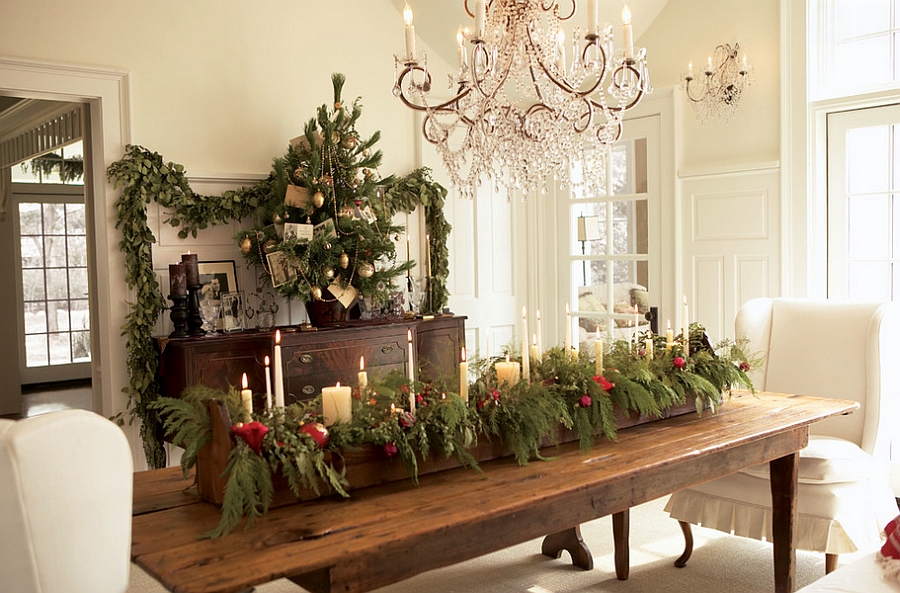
(233, 318)
(216, 278)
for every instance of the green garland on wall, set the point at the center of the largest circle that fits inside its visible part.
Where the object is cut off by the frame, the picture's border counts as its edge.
(144, 177)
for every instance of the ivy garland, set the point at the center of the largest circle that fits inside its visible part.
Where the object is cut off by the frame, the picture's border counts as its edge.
(563, 391)
(144, 177)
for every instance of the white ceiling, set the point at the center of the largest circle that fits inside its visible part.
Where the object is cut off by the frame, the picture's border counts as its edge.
(436, 21)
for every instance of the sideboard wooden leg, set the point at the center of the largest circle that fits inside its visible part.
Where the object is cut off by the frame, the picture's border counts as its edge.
(620, 539)
(571, 541)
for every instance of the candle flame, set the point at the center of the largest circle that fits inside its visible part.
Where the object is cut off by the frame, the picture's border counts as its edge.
(407, 15)
(507, 357)
(459, 37)
(462, 354)
(409, 335)
(338, 384)
(267, 360)
(277, 336)
(668, 324)
(244, 381)
(626, 15)
(362, 363)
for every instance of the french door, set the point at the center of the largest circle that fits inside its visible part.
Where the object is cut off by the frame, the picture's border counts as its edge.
(864, 204)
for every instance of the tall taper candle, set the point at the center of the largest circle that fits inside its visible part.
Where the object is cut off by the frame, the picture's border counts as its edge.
(246, 399)
(463, 375)
(598, 353)
(568, 331)
(411, 372)
(362, 375)
(538, 335)
(279, 374)
(526, 355)
(686, 327)
(480, 14)
(410, 32)
(593, 17)
(268, 385)
(670, 337)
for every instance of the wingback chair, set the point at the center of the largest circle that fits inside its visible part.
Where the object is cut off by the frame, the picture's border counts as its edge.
(65, 504)
(828, 349)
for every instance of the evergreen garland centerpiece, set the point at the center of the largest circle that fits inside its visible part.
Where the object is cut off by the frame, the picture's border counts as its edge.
(325, 233)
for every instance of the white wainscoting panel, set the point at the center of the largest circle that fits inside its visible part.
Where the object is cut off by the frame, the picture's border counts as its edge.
(730, 242)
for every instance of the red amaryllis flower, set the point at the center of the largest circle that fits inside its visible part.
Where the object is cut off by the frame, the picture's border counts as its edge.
(252, 433)
(585, 401)
(678, 362)
(603, 383)
(390, 449)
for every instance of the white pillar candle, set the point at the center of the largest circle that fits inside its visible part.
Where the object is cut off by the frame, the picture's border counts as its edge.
(670, 337)
(627, 34)
(535, 353)
(362, 375)
(463, 375)
(507, 372)
(480, 15)
(568, 331)
(526, 357)
(268, 385)
(279, 374)
(410, 32)
(411, 371)
(598, 354)
(246, 399)
(336, 404)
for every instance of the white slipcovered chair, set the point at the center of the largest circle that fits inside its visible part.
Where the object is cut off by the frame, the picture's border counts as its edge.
(65, 504)
(828, 349)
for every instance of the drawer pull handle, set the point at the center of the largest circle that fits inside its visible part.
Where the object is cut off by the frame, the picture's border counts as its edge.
(387, 349)
(308, 390)
(306, 358)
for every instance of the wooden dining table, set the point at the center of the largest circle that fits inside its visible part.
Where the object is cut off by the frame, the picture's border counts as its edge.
(387, 533)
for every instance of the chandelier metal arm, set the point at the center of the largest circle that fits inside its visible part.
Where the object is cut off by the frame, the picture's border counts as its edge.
(446, 106)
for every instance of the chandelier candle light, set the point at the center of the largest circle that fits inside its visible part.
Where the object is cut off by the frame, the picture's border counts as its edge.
(719, 92)
(520, 112)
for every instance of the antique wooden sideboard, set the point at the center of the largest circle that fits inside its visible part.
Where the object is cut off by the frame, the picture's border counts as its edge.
(313, 359)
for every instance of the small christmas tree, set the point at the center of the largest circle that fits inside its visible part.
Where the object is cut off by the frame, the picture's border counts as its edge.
(325, 229)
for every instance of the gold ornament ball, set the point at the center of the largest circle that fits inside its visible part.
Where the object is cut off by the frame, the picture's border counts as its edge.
(366, 270)
(316, 293)
(345, 260)
(269, 245)
(246, 245)
(349, 142)
(329, 273)
(318, 199)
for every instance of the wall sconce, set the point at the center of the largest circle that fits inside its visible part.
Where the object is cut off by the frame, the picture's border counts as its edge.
(718, 91)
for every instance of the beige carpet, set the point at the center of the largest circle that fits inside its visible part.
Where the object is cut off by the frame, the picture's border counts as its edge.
(720, 564)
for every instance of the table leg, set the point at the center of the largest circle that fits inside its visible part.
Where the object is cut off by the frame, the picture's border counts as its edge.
(783, 476)
(620, 540)
(571, 541)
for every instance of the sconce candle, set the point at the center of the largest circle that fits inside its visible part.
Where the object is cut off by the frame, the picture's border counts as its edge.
(410, 32)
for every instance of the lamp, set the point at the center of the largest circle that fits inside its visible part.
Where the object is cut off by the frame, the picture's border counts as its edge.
(525, 106)
(720, 92)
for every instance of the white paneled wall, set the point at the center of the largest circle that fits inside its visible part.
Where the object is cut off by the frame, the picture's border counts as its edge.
(730, 242)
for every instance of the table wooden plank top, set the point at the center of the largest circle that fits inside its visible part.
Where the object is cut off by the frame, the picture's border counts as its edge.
(387, 533)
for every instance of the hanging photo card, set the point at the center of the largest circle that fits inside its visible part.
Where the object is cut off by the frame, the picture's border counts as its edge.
(345, 294)
(280, 268)
(326, 228)
(364, 213)
(299, 231)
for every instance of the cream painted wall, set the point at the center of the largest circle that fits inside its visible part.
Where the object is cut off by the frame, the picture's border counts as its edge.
(689, 30)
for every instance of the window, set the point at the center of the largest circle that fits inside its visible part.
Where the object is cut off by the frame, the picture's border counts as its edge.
(64, 166)
(609, 248)
(856, 47)
(54, 279)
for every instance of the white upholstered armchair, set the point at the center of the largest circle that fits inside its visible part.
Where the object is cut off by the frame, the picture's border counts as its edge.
(65, 504)
(829, 349)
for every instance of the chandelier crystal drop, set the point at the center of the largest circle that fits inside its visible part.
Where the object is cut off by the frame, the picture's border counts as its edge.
(526, 107)
(718, 92)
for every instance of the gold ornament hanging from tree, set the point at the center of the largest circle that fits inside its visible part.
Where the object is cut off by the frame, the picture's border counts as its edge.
(318, 199)
(366, 270)
(345, 260)
(246, 245)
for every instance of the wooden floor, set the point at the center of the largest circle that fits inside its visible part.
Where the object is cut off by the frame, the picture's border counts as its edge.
(49, 397)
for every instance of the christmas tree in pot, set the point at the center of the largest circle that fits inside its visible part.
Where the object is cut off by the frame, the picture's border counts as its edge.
(325, 234)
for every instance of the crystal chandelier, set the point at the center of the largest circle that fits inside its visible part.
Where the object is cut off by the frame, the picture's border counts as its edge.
(720, 92)
(525, 107)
